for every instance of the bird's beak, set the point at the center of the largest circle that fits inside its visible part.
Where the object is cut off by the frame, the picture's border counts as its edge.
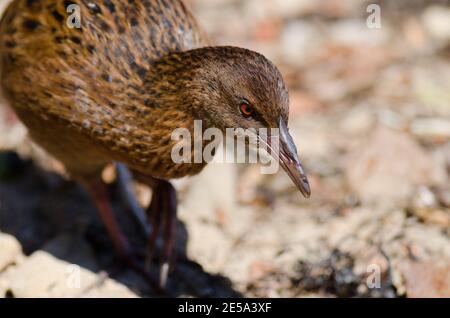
(290, 162)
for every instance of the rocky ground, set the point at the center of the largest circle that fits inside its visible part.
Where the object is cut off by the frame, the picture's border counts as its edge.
(370, 111)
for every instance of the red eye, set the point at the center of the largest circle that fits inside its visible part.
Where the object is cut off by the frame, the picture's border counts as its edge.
(246, 109)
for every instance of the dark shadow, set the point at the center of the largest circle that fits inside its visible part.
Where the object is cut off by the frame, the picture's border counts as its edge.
(44, 211)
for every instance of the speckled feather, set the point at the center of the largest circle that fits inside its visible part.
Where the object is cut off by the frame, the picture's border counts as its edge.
(116, 88)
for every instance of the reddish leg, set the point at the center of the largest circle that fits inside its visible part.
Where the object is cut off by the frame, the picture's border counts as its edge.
(162, 211)
(99, 195)
(97, 190)
(154, 215)
(170, 222)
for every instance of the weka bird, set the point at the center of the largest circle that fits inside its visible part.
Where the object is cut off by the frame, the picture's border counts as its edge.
(114, 87)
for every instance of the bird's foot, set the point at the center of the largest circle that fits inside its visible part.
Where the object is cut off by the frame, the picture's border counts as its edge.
(134, 262)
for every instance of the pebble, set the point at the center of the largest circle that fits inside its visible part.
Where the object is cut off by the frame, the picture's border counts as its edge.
(437, 22)
(10, 251)
(383, 171)
(435, 128)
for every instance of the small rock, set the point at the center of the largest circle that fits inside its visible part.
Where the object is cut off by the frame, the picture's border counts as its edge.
(389, 166)
(437, 22)
(42, 275)
(435, 128)
(424, 197)
(426, 279)
(10, 250)
(432, 216)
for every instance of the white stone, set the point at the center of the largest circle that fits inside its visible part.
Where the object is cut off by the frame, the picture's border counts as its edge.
(437, 22)
(10, 250)
(43, 275)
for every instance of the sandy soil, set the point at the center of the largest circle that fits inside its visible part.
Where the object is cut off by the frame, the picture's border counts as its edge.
(370, 112)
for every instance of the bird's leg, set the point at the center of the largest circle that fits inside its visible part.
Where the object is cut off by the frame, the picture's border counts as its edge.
(162, 213)
(97, 190)
(154, 215)
(170, 221)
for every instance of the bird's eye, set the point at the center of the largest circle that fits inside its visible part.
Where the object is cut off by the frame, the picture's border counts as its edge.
(246, 109)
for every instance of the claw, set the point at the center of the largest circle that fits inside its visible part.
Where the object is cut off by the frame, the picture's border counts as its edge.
(163, 274)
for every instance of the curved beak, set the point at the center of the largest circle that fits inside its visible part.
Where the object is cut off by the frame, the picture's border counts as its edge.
(290, 162)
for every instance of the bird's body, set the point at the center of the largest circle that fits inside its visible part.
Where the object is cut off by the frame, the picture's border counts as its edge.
(109, 81)
(82, 91)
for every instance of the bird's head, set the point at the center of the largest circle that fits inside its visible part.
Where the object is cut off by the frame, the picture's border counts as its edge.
(230, 87)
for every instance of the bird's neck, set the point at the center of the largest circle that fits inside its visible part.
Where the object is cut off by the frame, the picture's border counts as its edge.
(173, 81)
(181, 80)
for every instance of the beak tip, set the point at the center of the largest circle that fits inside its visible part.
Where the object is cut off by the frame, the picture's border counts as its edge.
(305, 189)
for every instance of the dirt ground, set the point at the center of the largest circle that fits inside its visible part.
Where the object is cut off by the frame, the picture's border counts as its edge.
(370, 113)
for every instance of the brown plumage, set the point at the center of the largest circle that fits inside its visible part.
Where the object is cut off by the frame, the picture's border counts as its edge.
(116, 88)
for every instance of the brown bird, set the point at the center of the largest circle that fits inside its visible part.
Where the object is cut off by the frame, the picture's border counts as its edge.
(108, 81)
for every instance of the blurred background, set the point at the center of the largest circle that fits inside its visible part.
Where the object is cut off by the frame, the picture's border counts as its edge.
(370, 113)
